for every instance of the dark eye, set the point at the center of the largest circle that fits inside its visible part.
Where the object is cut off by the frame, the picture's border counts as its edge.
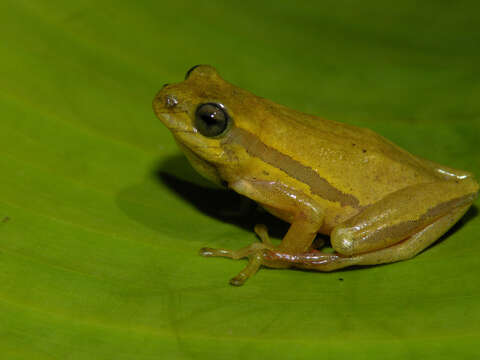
(211, 119)
(189, 71)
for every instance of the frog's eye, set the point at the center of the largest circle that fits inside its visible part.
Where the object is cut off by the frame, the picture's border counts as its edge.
(190, 71)
(211, 119)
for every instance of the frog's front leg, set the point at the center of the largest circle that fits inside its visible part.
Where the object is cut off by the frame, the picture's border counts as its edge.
(304, 216)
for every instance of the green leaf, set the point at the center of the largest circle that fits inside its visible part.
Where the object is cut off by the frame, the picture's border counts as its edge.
(101, 217)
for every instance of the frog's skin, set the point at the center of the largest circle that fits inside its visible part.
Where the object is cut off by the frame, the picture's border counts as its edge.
(378, 203)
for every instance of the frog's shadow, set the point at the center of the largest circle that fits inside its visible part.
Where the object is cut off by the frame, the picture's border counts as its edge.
(176, 174)
(222, 204)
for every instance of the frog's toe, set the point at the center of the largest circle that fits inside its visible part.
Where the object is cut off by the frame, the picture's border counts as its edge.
(254, 262)
(262, 232)
(254, 252)
(211, 252)
(233, 254)
(238, 280)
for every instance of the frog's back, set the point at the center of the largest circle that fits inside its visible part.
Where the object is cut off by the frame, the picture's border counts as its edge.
(344, 158)
(346, 164)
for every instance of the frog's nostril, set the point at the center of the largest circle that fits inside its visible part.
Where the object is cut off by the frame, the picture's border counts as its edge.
(170, 101)
(165, 85)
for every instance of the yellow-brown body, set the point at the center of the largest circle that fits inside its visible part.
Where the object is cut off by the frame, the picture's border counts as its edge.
(378, 202)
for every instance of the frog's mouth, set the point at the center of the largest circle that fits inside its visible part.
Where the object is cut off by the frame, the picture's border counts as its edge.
(167, 119)
(203, 167)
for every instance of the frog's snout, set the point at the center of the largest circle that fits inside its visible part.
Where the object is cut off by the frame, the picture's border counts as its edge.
(163, 104)
(168, 108)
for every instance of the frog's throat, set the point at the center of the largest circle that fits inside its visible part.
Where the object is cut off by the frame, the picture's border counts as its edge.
(204, 168)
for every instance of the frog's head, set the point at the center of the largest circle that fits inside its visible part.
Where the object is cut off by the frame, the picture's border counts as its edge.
(197, 111)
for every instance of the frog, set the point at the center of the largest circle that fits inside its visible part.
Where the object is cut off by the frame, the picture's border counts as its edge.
(376, 202)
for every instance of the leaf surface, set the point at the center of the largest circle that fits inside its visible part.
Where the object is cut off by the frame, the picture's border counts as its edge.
(101, 217)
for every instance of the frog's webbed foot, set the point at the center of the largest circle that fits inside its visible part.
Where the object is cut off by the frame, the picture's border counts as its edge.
(254, 252)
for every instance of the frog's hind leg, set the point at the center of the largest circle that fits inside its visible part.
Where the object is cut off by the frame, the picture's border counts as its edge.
(395, 228)
(400, 215)
(416, 243)
(401, 251)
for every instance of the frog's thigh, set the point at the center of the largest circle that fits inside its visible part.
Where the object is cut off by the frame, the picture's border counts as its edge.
(416, 243)
(297, 208)
(400, 215)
